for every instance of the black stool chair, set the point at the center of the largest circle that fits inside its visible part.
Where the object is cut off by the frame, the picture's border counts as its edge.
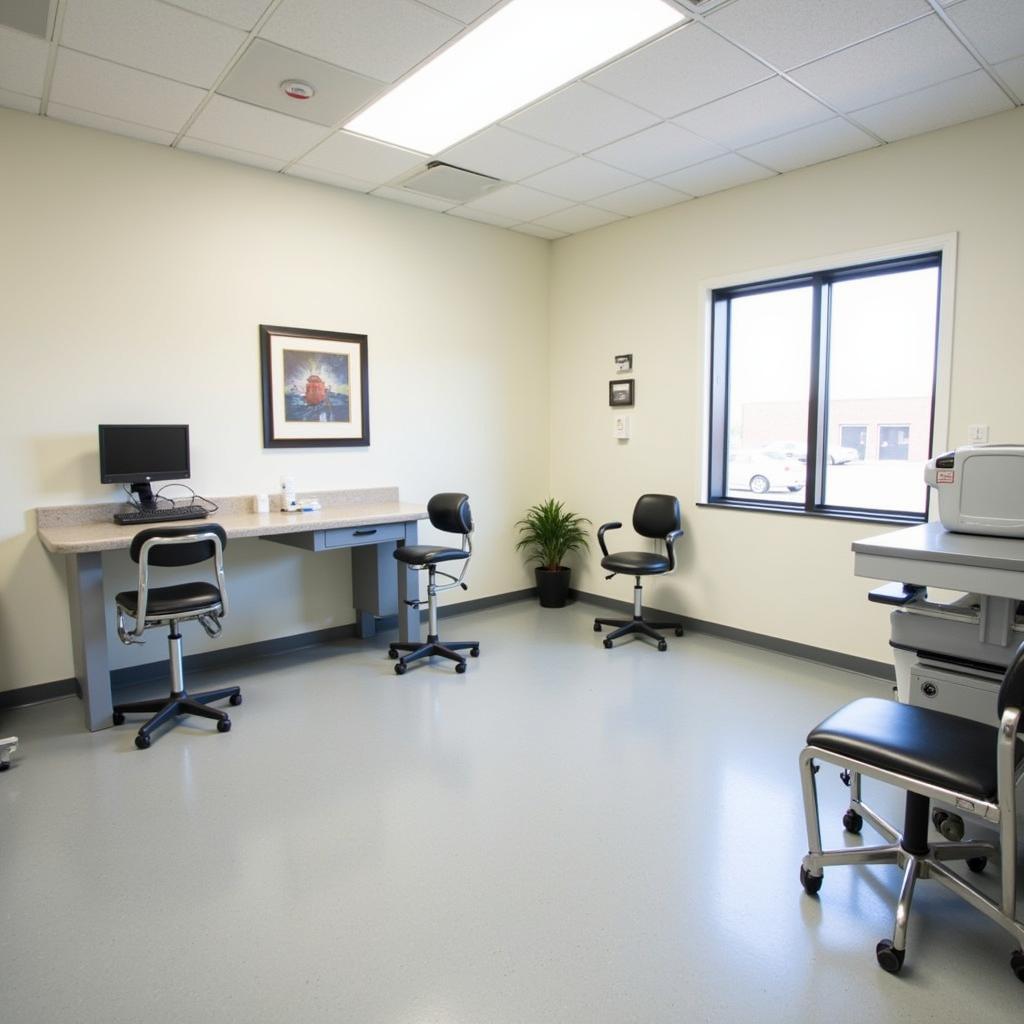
(655, 515)
(450, 513)
(933, 756)
(168, 606)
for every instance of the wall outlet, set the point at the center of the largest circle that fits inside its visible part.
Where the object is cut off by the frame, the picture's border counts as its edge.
(621, 428)
(977, 433)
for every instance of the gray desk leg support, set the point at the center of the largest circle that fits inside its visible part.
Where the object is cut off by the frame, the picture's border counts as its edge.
(89, 637)
(408, 590)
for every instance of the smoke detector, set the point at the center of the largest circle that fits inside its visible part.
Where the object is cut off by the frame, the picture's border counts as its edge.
(296, 90)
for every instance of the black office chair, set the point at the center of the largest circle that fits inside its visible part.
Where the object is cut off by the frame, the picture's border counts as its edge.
(168, 606)
(450, 513)
(933, 756)
(655, 515)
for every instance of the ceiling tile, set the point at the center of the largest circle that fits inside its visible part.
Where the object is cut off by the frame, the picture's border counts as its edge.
(960, 99)
(791, 32)
(995, 27)
(483, 216)
(658, 150)
(413, 198)
(519, 203)
(810, 145)
(324, 177)
(913, 57)
(152, 36)
(253, 129)
(89, 83)
(29, 16)
(238, 156)
(1012, 72)
(22, 62)
(504, 154)
(642, 198)
(465, 11)
(362, 158)
(716, 175)
(581, 179)
(257, 78)
(761, 112)
(685, 69)
(19, 101)
(379, 38)
(578, 218)
(539, 231)
(581, 118)
(87, 118)
(240, 13)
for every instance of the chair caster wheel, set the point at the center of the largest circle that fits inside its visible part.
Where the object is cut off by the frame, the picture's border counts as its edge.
(392, 653)
(977, 864)
(224, 725)
(853, 822)
(143, 742)
(400, 668)
(811, 883)
(460, 667)
(662, 645)
(679, 630)
(235, 699)
(597, 627)
(608, 643)
(889, 957)
(1017, 963)
(118, 718)
(952, 827)
(474, 652)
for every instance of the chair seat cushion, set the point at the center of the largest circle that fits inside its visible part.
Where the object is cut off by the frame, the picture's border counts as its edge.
(636, 563)
(164, 602)
(930, 746)
(424, 554)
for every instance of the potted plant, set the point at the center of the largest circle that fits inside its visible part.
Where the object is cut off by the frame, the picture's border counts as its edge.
(548, 533)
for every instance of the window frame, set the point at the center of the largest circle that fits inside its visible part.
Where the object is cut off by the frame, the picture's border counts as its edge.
(938, 251)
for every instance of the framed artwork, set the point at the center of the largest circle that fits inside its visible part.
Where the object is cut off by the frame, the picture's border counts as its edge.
(624, 363)
(621, 392)
(315, 388)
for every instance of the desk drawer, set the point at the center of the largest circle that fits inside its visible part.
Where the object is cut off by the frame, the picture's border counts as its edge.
(351, 536)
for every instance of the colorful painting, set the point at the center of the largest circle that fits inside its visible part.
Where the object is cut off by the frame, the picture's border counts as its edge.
(315, 388)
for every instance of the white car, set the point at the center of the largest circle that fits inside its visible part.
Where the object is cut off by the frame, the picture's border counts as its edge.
(765, 471)
(837, 455)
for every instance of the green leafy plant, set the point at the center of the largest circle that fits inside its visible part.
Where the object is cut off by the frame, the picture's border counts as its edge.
(549, 533)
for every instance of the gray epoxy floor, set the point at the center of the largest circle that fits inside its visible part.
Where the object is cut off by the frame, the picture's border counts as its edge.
(563, 834)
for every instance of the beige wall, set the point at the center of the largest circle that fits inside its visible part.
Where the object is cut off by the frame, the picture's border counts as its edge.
(634, 286)
(133, 278)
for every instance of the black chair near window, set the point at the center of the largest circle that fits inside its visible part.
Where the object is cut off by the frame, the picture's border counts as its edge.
(449, 513)
(932, 755)
(656, 516)
(207, 603)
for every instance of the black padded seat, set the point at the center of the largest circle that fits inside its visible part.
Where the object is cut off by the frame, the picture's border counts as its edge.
(636, 563)
(182, 599)
(424, 554)
(934, 747)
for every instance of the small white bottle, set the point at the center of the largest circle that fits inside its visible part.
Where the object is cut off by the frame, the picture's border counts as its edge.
(288, 500)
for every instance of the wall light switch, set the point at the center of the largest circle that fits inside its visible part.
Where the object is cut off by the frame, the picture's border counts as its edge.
(621, 428)
(977, 433)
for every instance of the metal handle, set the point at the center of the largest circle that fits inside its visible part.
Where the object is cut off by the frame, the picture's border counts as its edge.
(364, 533)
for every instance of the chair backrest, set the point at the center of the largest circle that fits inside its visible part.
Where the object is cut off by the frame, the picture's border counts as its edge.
(450, 512)
(178, 554)
(656, 515)
(1011, 692)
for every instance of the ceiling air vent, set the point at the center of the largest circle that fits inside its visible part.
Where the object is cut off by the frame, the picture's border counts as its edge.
(447, 182)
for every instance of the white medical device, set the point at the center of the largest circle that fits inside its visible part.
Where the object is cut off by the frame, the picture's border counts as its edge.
(981, 489)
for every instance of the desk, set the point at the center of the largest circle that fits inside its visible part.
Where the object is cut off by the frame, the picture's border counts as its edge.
(371, 522)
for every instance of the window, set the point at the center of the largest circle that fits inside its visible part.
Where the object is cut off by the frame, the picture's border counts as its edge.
(822, 396)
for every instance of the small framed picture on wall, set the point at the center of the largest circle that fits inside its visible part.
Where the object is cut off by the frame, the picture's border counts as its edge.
(624, 363)
(621, 392)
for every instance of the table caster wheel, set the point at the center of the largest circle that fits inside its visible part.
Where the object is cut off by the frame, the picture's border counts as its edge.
(662, 645)
(889, 957)
(853, 822)
(597, 627)
(474, 652)
(1017, 963)
(977, 864)
(392, 653)
(4, 765)
(235, 699)
(400, 668)
(224, 725)
(460, 667)
(679, 630)
(118, 718)
(811, 883)
(608, 643)
(143, 742)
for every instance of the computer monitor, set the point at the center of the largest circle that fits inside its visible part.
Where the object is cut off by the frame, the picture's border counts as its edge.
(136, 455)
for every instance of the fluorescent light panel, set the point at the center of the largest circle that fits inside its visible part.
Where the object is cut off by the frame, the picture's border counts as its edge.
(521, 52)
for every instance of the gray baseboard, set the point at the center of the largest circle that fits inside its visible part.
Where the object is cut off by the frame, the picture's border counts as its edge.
(865, 666)
(37, 694)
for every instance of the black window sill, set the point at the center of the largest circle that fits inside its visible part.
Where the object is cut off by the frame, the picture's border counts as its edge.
(848, 515)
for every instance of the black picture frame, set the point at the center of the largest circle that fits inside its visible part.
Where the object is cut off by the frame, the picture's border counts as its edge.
(621, 392)
(334, 409)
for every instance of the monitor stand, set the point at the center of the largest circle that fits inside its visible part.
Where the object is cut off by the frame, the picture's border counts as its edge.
(147, 502)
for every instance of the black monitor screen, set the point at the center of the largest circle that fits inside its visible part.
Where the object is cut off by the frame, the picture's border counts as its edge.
(137, 453)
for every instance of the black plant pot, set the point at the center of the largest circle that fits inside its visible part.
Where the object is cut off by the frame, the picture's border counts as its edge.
(553, 586)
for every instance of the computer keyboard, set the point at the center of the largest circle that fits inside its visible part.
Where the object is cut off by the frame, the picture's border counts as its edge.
(161, 515)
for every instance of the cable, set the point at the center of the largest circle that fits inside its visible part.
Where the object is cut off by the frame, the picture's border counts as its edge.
(211, 506)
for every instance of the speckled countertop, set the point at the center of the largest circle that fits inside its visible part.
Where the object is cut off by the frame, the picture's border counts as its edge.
(78, 529)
